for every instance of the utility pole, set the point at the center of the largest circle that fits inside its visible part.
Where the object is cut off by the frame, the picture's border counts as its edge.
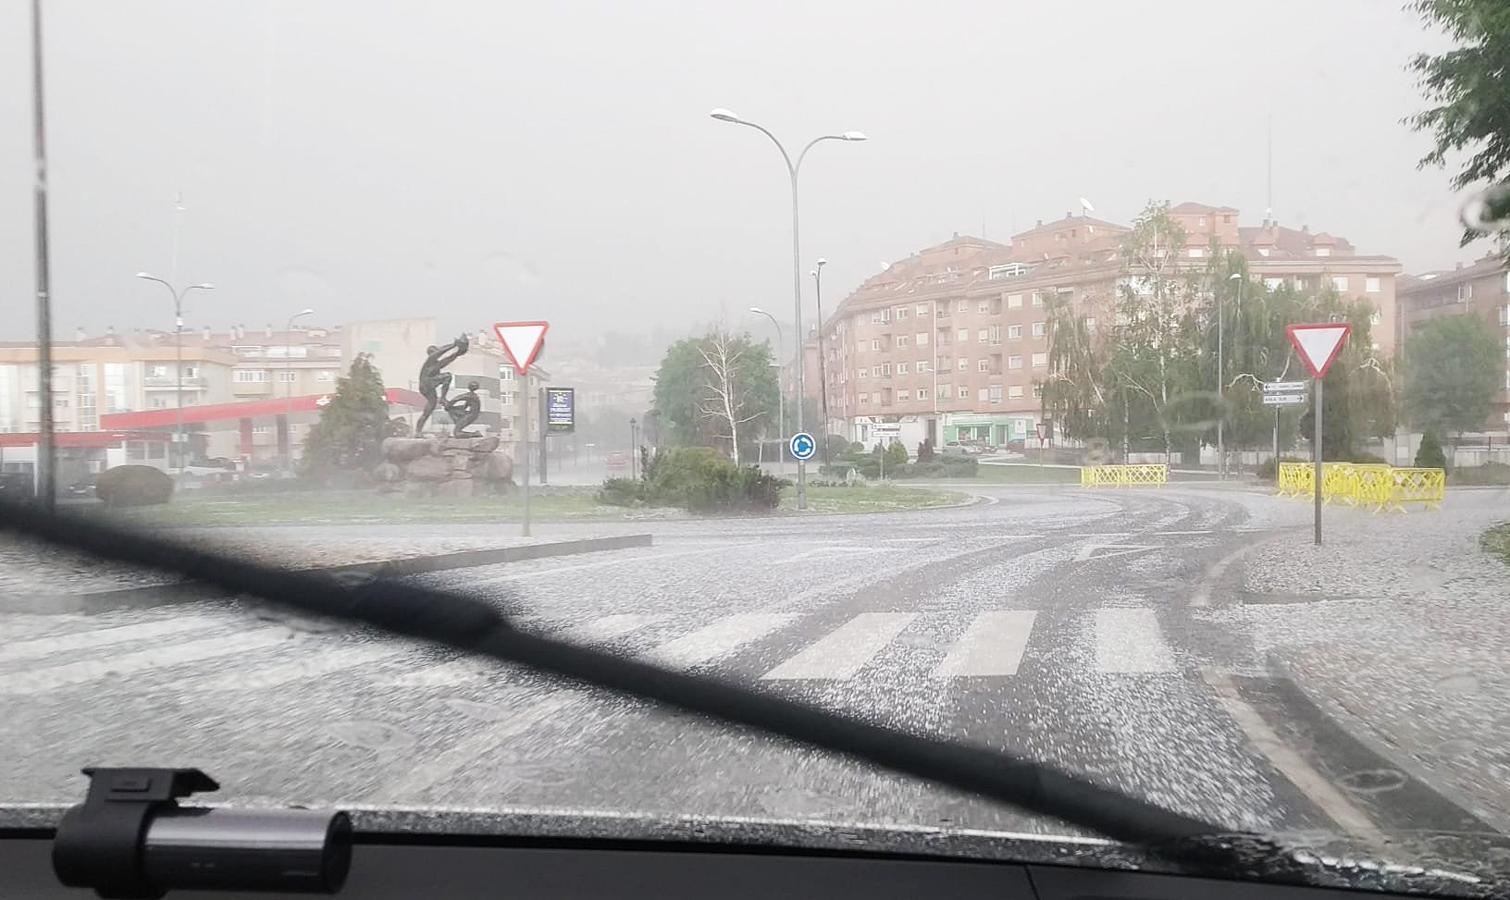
(46, 483)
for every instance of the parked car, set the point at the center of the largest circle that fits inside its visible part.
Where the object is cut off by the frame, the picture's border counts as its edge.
(84, 487)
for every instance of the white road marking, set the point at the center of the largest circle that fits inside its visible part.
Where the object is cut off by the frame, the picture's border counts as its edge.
(1300, 773)
(993, 645)
(313, 662)
(717, 640)
(1173, 533)
(607, 628)
(99, 637)
(1214, 574)
(1129, 640)
(1090, 551)
(464, 755)
(847, 551)
(845, 650)
(222, 646)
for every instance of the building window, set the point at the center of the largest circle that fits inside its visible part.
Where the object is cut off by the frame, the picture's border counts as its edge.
(901, 368)
(983, 306)
(1014, 362)
(1263, 251)
(1339, 282)
(886, 370)
(904, 396)
(1505, 314)
(157, 370)
(901, 313)
(994, 393)
(865, 398)
(982, 365)
(1273, 283)
(903, 340)
(1465, 292)
(287, 376)
(862, 373)
(963, 365)
(1038, 394)
(993, 334)
(924, 366)
(1040, 329)
(1040, 360)
(922, 393)
(1014, 301)
(921, 339)
(250, 376)
(922, 309)
(1090, 328)
(945, 391)
(1014, 332)
(1200, 222)
(875, 344)
(1195, 252)
(980, 394)
(963, 306)
(1323, 251)
(982, 335)
(876, 371)
(326, 375)
(1375, 318)
(1037, 299)
(1015, 393)
(963, 336)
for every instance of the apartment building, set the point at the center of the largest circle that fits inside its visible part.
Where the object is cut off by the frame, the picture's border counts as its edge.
(1481, 289)
(952, 342)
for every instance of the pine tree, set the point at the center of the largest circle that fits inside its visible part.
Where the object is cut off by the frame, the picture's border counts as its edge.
(352, 425)
(1429, 455)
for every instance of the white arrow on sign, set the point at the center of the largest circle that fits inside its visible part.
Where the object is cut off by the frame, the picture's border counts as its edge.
(1284, 399)
(1318, 345)
(521, 341)
(1283, 387)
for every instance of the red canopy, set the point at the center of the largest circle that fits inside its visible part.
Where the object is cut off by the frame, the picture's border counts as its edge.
(246, 409)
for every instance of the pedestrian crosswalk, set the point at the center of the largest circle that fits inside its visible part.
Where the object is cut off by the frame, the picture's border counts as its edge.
(196, 653)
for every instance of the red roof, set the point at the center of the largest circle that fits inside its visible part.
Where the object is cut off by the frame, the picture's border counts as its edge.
(80, 440)
(246, 409)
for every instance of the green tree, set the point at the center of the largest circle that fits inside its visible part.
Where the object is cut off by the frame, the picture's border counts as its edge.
(1469, 97)
(350, 432)
(1429, 455)
(1453, 367)
(714, 390)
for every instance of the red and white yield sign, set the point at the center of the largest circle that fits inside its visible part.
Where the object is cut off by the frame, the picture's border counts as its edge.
(1318, 345)
(522, 342)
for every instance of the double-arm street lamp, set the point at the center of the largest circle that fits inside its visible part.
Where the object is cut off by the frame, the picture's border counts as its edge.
(178, 340)
(288, 388)
(793, 168)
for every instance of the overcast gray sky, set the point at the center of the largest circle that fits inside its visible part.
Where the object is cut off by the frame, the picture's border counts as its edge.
(556, 160)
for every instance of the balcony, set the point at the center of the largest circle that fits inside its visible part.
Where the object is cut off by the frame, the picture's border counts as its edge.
(251, 388)
(170, 382)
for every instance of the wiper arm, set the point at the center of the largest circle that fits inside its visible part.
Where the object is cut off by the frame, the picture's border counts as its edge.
(474, 626)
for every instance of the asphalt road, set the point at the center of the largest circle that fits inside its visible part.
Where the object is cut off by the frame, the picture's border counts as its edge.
(1070, 627)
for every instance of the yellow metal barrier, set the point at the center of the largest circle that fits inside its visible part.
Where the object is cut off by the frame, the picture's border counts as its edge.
(1379, 487)
(1123, 476)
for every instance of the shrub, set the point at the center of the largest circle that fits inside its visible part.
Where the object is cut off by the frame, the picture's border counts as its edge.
(133, 486)
(1369, 459)
(896, 455)
(1429, 455)
(1266, 469)
(925, 450)
(622, 492)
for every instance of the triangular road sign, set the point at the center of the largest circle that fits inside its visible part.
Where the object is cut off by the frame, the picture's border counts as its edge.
(521, 341)
(1318, 345)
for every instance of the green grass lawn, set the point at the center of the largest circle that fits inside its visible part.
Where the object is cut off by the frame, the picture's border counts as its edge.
(1497, 541)
(1026, 473)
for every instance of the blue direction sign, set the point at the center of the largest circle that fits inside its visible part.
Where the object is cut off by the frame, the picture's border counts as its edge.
(803, 446)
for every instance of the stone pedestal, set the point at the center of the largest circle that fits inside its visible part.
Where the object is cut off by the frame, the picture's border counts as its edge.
(449, 467)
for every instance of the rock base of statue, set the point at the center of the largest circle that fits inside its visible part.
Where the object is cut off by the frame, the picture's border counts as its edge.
(448, 467)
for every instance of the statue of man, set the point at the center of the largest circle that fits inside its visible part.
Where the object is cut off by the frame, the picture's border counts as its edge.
(433, 383)
(464, 410)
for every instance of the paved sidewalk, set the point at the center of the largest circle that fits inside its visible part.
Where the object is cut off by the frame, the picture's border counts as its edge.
(1398, 627)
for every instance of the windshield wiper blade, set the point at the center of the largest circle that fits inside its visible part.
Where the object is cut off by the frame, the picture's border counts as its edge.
(472, 625)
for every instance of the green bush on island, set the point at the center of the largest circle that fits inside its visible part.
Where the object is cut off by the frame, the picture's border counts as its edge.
(698, 479)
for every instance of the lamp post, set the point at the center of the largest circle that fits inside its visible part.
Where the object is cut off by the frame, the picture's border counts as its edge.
(817, 274)
(780, 396)
(634, 446)
(1221, 376)
(288, 388)
(793, 168)
(178, 341)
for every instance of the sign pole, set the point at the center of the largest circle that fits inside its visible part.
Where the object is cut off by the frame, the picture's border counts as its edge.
(1316, 460)
(544, 453)
(524, 443)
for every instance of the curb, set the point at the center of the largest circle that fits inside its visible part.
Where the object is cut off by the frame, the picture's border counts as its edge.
(150, 596)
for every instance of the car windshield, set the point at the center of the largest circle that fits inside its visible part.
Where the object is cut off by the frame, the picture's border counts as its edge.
(1125, 387)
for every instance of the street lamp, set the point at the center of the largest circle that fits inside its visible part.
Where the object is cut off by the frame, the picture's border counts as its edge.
(817, 274)
(780, 396)
(178, 340)
(1221, 375)
(288, 389)
(793, 168)
(634, 447)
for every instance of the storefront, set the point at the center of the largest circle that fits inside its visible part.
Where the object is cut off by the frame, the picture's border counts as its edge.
(995, 430)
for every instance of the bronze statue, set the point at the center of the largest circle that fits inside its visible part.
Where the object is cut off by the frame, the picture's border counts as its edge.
(433, 383)
(464, 410)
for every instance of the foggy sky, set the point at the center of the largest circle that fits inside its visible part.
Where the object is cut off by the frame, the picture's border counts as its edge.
(480, 161)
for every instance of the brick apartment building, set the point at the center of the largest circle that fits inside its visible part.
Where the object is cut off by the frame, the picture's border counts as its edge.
(951, 341)
(1481, 289)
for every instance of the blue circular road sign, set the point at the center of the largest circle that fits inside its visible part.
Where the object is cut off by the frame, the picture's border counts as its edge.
(803, 446)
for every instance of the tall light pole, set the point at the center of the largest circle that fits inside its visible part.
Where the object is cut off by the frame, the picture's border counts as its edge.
(780, 397)
(817, 274)
(46, 473)
(178, 340)
(793, 168)
(1221, 376)
(288, 388)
